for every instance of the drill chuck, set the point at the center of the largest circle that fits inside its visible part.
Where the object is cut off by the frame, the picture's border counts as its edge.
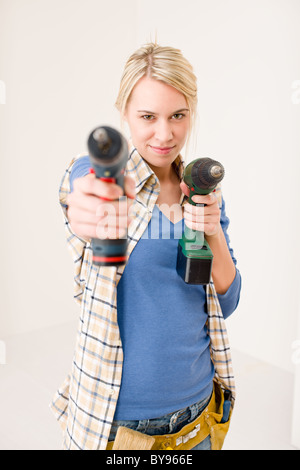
(103, 140)
(205, 174)
(216, 171)
(107, 147)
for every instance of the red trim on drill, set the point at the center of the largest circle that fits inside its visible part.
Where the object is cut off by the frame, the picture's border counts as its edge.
(103, 259)
(108, 180)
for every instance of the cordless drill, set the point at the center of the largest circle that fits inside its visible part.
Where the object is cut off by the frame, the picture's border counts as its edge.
(108, 152)
(194, 259)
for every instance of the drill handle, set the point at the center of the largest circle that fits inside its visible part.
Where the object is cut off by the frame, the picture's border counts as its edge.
(191, 235)
(193, 203)
(191, 200)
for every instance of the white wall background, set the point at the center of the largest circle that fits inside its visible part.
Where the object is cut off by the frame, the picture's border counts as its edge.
(246, 57)
(61, 62)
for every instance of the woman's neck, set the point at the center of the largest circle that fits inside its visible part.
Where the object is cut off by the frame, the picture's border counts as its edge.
(170, 191)
(164, 175)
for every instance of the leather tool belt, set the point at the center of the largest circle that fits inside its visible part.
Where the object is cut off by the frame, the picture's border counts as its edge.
(209, 423)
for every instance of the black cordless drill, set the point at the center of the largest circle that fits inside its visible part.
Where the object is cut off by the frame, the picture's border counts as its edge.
(108, 152)
(194, 260)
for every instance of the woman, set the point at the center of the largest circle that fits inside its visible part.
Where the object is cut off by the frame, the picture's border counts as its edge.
(152, 351)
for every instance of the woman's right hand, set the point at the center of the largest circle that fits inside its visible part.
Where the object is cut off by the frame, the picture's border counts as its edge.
(95, 210)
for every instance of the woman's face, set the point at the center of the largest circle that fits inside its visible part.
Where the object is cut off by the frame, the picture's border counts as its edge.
(159, 121)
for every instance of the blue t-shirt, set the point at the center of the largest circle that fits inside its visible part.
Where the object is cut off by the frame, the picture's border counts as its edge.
(162, 321)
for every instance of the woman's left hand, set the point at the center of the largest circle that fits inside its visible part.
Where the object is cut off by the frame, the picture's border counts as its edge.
(204, 219)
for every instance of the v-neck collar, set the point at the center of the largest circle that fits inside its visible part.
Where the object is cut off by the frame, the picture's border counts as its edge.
(163, 215)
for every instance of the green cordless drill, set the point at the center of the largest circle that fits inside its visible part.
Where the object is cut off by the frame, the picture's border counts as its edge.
(194, 259)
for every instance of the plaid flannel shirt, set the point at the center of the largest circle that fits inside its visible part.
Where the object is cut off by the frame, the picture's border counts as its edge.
(85, 404)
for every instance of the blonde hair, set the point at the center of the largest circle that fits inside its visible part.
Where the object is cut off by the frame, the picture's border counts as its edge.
(165, 64)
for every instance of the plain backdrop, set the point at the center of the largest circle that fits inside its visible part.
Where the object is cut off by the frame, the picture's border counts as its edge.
(61, 62)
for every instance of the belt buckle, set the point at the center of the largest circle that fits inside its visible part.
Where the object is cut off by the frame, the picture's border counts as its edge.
(185, 438)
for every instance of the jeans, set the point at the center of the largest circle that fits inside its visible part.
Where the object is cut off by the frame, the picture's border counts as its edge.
(168, 424)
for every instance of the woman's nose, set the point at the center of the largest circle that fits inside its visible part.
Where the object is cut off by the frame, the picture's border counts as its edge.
(163, 131)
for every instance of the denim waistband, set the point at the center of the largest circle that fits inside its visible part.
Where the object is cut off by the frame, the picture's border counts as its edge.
(167, 424)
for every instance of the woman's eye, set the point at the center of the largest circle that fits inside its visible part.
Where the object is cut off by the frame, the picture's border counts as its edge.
(148, 117)
(178, 116)
(151, 117)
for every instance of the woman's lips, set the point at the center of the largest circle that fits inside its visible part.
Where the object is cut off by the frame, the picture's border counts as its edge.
(162, 150)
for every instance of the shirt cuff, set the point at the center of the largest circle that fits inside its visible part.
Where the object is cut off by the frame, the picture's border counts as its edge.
(230, 300)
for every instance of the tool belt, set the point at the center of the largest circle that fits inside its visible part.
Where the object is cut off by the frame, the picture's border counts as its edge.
(209, 423)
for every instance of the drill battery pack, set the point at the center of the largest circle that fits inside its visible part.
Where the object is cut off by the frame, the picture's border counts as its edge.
(194, 265)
